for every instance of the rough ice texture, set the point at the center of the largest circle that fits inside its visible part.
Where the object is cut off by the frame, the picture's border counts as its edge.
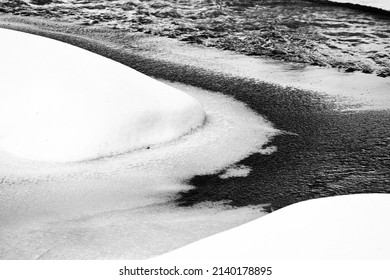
(62, 103)
(341, 227)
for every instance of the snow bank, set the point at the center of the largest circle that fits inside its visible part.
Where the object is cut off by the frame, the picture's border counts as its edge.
(342, 227)
(62, 103)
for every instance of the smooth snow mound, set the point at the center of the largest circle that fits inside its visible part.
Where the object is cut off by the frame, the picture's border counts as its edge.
(62, 103)
(342, 227)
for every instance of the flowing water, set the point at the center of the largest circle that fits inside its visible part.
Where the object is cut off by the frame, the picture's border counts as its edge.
(310, 32)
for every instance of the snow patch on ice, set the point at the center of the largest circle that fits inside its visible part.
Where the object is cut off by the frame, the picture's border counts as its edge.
(236, 171)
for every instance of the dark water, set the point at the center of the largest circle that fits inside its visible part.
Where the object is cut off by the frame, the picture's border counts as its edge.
(311, 32)
(326, 153)
(339, 158)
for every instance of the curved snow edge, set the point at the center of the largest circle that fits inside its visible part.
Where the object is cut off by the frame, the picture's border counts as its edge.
(63, 103)
(341, 227)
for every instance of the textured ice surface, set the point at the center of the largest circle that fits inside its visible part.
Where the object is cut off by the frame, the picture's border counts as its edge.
(119, 206)
(62, 103)
(341, 227)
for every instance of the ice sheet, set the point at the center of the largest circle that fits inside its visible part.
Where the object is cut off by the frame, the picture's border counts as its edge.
(122, 206)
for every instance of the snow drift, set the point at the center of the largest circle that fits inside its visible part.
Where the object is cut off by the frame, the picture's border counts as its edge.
(63, 103)
(340, 227)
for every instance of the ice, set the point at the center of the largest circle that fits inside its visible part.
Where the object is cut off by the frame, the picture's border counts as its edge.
(120, 206)
(235, 171)
(63, 103)
(342, 227)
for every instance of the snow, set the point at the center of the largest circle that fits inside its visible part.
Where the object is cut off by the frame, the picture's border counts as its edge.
(235, 171)
(342, 227)
(381, 4)
(62, 103)
(117, 207)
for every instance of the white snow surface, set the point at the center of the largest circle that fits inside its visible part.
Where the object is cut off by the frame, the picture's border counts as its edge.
(342, 227)
(62, 103)
(381, 4)
(235, 171)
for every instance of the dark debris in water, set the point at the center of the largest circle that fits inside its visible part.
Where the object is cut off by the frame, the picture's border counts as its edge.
(308, 32)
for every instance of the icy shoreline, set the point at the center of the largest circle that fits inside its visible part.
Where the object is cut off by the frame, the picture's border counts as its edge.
(120, 206)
